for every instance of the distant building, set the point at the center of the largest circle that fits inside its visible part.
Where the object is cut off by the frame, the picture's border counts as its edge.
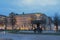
(2, 18)
(24, 21)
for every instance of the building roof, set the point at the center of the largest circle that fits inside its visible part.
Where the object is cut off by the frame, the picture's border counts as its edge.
(29, 14)
(3, 16)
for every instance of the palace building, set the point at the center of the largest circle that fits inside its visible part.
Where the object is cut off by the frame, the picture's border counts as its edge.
(24, 21)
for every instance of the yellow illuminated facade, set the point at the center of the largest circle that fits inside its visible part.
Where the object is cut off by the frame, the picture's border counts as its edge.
(23, 21)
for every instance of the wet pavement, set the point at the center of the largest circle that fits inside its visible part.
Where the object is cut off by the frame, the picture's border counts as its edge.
(11, 36)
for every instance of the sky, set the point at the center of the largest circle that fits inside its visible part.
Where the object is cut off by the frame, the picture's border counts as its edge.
(48, 7)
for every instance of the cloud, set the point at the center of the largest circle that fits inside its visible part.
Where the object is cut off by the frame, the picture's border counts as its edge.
(36, 4)
(28, 2)
(39, 2)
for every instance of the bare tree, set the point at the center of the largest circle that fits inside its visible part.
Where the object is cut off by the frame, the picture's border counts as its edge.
(50, 21)
(5, 23)
(12, 20)
(56, 19)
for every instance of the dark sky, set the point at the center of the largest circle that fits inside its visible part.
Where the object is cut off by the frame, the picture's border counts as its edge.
(48, 7)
